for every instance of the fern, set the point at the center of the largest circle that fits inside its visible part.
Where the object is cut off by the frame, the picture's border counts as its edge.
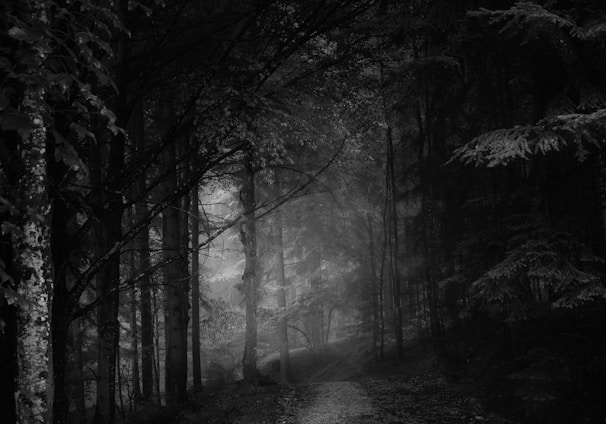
(542, 273)
(525, 19)
(497, 147)
(583, 131)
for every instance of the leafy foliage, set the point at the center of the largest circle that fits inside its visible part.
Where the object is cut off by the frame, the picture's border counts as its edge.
(549, 270)
(584, 133)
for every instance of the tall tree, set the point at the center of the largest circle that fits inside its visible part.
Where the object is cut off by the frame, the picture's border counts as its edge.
(285, 369)
(141, 246)
(34, 365)
(248, 237)
(176, 284)
(392, 234)
(195, 288)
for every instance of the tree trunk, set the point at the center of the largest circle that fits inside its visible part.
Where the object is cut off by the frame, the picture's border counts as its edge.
(62, 300)
(430, 263)
(176, 291)
(156, 346)
(80, 398)
(328, 324)
(382, 276)
(60, 326)
(141, 243)
(134, 339)
(248, 236)
(195, 290)
(108, 327)
(315, 308)
(34, 362)
(429, 228)
(394, 245)
(285, 370)
(374, 294)
(108, 208)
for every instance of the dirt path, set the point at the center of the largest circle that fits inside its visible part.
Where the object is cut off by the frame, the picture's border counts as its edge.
(380, 400)
(340, 390)
(333, 403)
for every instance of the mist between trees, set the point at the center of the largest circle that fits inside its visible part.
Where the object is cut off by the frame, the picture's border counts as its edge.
(188, 186)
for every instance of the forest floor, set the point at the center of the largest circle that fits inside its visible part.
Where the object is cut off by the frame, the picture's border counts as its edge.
(345, 385)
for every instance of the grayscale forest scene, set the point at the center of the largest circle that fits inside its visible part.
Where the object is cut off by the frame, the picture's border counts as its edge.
(302, 211)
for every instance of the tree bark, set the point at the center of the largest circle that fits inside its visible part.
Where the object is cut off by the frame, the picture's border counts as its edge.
(134, 336)
(34, 362)
(107, 206)
(394, 245)
(315, 313)
(248, 236)
(176, 286)
(429, 226)
(108, 277)
(285, 369)
(80, 399)
(195, 290)
(141, 243)
(374, 294)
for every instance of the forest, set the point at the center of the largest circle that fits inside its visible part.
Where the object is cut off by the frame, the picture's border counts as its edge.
(191, 188)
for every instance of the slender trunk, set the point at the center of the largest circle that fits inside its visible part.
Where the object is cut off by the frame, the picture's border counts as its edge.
(328, 323)
(107, 232)
(176, 291)
(381, 290)
(195, 290)
(394, 246)
(248, 236)
(429, 242)
(62, 300)
(80, 399)
(430, 263)
(156, 346)
(387, 248)
(315, 307)
(134, 339)
(285, 370)
(120, 386)
(107, 205)
(147, 323)
(60, 328)
(34, 363)
(141, 243)
(107, 327)
(374, 304)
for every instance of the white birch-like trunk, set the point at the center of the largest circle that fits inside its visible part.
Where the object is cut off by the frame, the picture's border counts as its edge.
(34, 358)
(34, 382)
